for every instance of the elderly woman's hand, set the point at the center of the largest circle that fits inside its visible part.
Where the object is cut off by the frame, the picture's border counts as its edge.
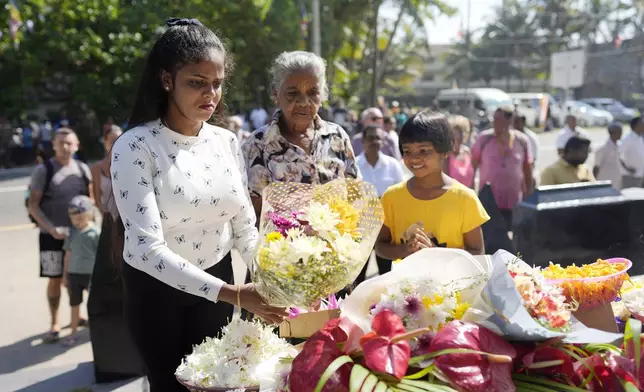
(250, 300)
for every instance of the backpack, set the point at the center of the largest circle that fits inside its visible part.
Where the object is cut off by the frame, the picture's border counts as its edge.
(49, 174)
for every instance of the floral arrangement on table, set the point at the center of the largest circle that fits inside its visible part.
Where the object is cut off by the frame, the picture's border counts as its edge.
(590, 285)
(315, 239)
(246, 353)
(422, 303)
(545, 302)
(461, 356)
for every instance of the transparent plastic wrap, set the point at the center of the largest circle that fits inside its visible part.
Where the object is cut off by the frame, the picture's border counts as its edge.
(314, 239)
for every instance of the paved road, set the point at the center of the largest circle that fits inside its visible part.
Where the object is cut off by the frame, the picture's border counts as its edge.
(25, 363)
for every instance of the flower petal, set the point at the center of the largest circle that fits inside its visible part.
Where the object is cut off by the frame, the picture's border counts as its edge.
(473, 372)
(319, 351)
(387, 323)
(381, 356)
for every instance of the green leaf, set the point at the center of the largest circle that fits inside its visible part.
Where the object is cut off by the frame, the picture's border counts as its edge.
(333, 367)
(633, 331)
(358, 376)
(537, 381)
(630, 387)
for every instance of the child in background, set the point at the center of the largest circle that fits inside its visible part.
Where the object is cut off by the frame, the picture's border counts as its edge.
(430, 209)
(458, 164)
(80, 250)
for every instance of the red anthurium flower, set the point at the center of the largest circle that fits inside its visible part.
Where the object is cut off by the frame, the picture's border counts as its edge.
(317, 354)
(474, 372)
(630, 353)
(381, 353)
(550, 361)
(604, 380)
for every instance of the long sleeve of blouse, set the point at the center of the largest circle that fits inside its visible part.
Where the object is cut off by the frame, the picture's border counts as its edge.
(184, 204)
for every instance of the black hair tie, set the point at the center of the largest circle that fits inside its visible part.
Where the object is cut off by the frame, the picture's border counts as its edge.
(182, 22)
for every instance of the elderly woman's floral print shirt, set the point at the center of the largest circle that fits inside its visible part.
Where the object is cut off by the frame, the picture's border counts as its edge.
(270, 157)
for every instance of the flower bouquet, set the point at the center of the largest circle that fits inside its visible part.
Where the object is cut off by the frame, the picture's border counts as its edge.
(545, 302)
(244, 355)
(314, 239)
(590, 285)
(528, 309)
(422, 292)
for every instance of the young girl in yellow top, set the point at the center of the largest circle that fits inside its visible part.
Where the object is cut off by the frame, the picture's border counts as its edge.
(430, 209)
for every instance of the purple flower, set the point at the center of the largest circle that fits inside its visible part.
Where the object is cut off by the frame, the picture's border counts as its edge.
(372, 307)
(281, 223)
(413, 305)
(333, 302)
(294, 312)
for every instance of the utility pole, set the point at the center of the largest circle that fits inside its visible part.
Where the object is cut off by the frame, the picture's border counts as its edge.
(468, 60)
(317, 44)
(374, 67)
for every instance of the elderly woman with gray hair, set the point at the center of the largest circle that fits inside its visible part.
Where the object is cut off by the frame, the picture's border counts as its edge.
(297, 146)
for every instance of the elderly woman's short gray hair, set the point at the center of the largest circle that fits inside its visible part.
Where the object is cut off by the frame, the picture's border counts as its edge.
(289, 62)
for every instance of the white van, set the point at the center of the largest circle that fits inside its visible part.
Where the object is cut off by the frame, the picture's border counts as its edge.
(530, 105)
(473, 103)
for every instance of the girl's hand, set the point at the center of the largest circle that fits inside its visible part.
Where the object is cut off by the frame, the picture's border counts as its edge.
(420, 240)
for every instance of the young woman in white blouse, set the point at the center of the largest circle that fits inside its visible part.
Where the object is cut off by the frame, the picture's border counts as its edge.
(180, 187)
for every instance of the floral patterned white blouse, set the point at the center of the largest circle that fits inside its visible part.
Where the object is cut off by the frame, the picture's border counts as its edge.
(270, 157)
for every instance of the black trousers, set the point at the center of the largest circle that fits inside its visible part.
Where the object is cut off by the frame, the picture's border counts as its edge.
(165, 322)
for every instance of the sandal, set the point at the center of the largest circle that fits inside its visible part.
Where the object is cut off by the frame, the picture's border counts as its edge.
(51, 337)
(83, 323)
(70, 341)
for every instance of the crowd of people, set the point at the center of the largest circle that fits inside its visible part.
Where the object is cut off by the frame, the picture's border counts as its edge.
(177, 194)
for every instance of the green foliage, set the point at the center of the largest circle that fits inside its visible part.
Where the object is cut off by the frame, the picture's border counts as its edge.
(92, 50)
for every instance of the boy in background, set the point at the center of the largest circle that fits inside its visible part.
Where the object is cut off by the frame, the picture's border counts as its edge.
(80, 251)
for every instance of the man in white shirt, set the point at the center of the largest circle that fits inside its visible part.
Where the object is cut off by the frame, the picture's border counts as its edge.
(632, 153)
(380, 170)
(377, 168)
(607, 158)
(571, 129)
(258, 117)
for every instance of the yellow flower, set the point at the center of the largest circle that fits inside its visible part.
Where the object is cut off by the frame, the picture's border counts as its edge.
(273, 236)
(460, 310)
(397, 261)
(428, 301)
(348, 215)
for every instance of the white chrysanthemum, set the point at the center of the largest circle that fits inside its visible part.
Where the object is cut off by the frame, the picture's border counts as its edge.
(240, 358)
(278, 249)
(307, 247)
(347, 249)
(322, 219)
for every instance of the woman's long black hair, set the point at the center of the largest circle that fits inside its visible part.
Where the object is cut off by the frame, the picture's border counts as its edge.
(186, 41)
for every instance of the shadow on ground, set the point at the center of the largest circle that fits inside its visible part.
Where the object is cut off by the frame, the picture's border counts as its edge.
(31, 351)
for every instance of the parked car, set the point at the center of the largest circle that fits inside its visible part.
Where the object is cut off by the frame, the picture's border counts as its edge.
(588, 116)
(619, 111)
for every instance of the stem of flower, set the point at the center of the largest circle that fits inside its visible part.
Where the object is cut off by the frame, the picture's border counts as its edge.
(545, 364)
(492, 358)
(410, 335)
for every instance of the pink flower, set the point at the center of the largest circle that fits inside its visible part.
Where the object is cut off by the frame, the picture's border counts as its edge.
(413, 305)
